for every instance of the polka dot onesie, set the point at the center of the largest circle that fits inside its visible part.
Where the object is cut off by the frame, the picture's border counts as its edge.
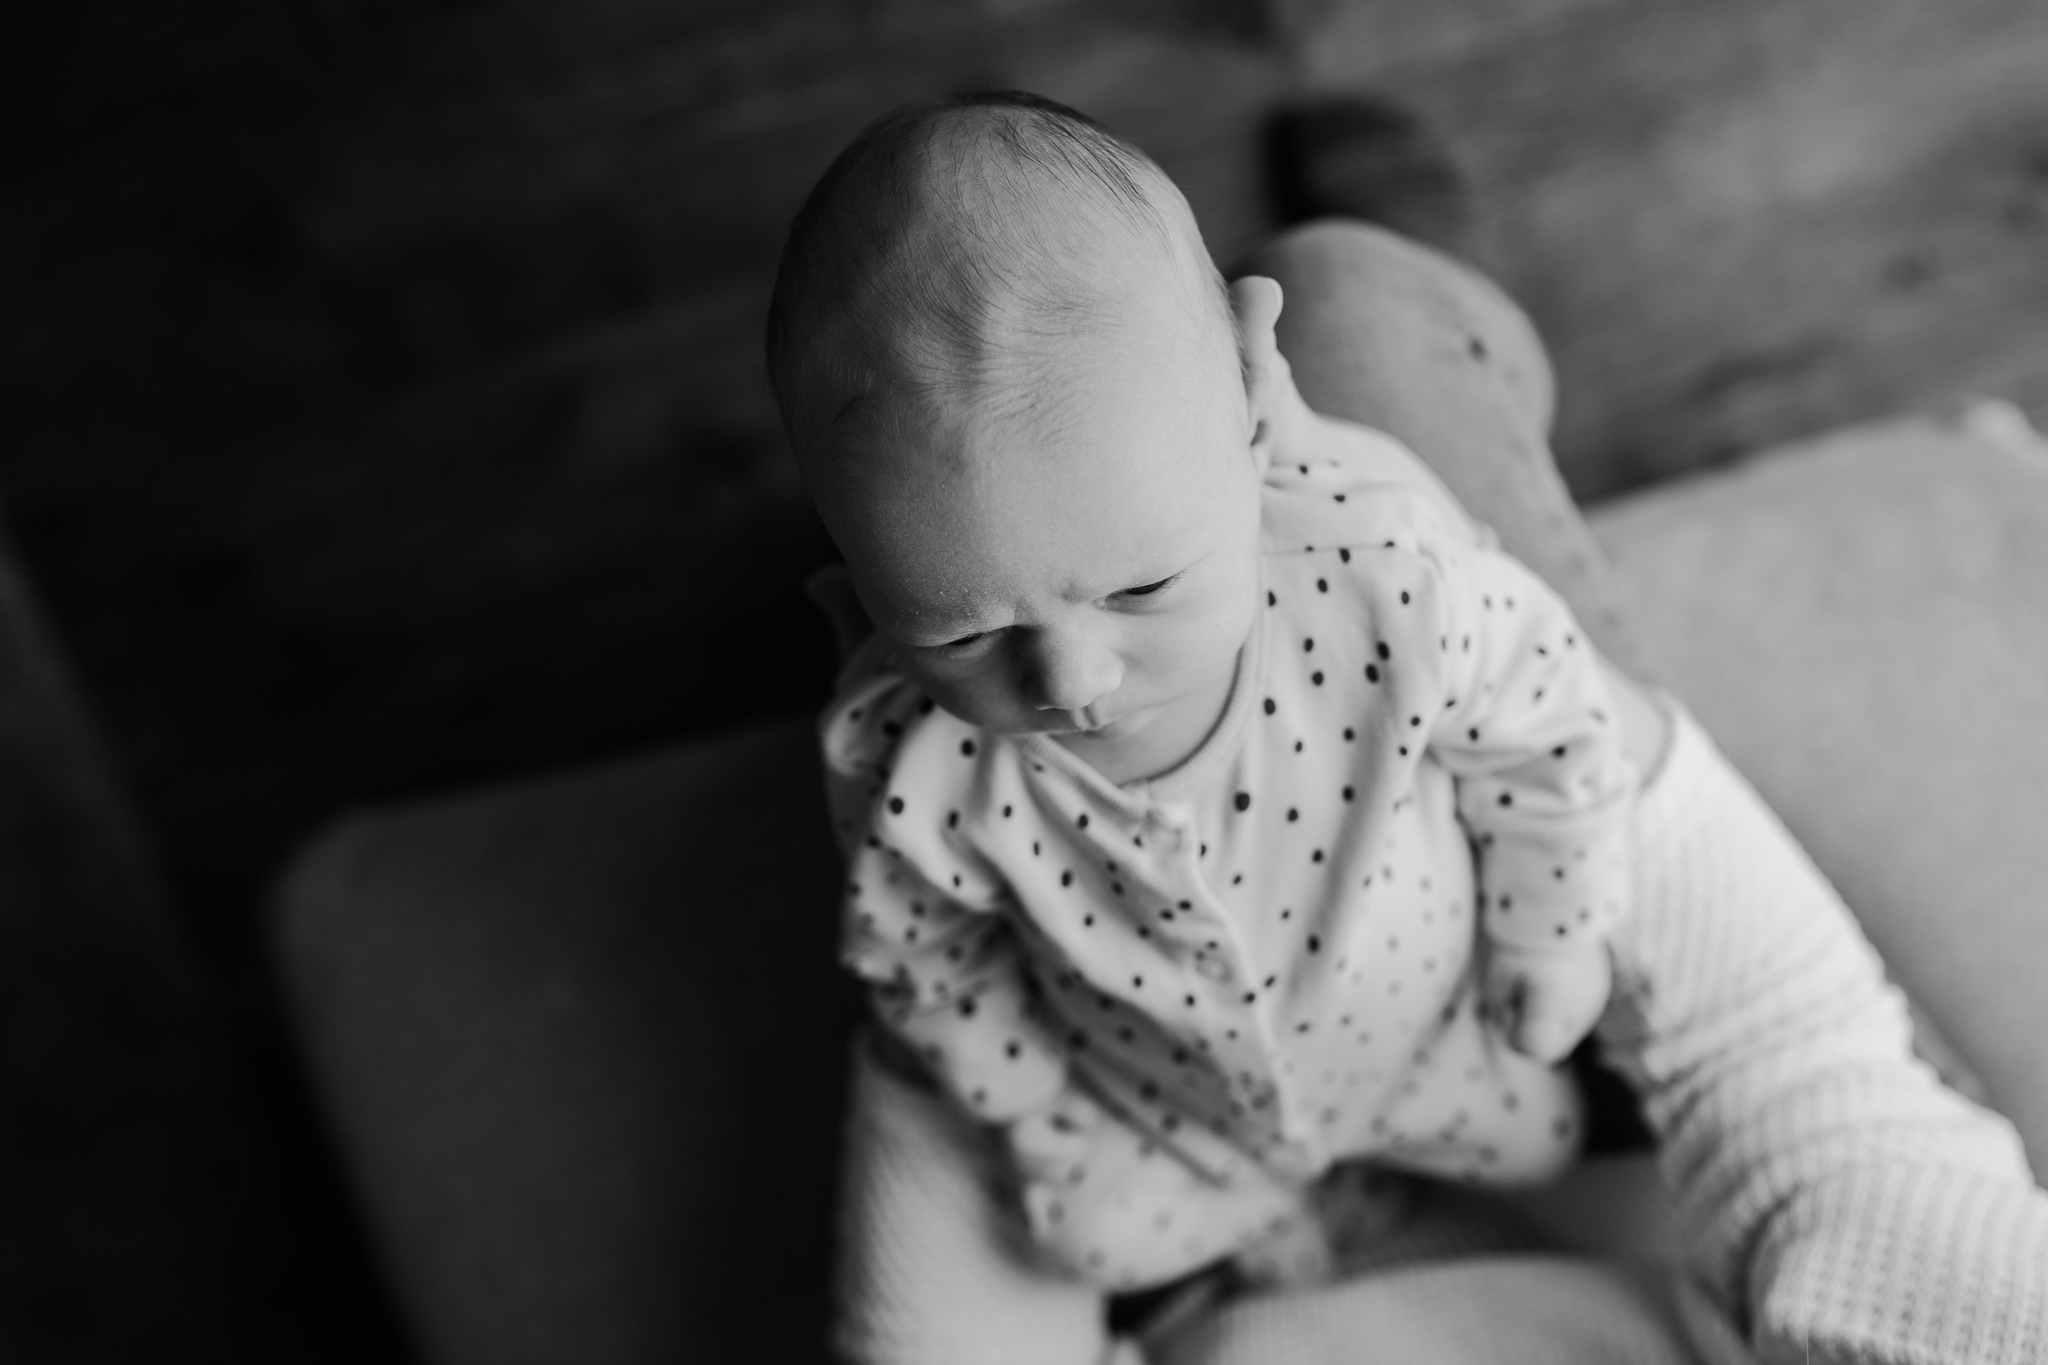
(1207, 988)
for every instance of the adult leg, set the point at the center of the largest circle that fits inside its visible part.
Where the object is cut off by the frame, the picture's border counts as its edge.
(1389, 333)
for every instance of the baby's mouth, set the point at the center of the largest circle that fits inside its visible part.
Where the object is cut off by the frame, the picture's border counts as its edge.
(1094, 721)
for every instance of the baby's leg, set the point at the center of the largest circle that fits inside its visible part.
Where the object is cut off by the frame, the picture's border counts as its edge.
(1124, 1212)
(1475, 1110)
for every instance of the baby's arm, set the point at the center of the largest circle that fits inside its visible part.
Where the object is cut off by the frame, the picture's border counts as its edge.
(947, 982)
(1528, 727)
(922, 910)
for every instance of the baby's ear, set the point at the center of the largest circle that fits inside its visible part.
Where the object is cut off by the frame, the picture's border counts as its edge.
(831, 589)
(1255, 300)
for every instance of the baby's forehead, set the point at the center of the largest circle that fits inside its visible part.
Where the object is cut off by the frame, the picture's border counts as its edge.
(1043, 343)
(1103, 362)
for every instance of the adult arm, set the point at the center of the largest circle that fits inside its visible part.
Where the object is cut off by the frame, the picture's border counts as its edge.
(1839, 1203)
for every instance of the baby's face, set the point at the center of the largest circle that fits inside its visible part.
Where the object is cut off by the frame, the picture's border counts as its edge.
(1087, 567)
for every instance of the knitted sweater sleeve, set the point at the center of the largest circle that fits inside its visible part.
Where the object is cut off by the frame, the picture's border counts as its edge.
(1839, 1204)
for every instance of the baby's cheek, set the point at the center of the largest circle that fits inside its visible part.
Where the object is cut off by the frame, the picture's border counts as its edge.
(983, 700)
(1216, 651)
(1228, 628)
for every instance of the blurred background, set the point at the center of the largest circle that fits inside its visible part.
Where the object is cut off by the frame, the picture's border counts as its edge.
(384, 410)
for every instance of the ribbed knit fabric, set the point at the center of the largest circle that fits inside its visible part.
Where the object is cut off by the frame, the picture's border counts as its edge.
(1838, 1204)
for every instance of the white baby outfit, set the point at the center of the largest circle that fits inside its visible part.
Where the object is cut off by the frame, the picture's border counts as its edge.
(1262, 962)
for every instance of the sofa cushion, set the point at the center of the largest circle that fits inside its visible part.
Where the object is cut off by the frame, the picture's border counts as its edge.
(580, 1043)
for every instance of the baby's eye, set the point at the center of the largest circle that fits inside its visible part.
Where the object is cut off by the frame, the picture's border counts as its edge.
(967, 646)
(1149, 588)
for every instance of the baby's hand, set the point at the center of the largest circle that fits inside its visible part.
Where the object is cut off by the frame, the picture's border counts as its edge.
(1543, 1005)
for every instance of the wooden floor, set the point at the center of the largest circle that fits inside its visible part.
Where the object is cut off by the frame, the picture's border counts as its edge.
(384, 396)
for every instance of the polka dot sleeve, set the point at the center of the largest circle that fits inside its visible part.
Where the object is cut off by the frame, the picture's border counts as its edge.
(1527, 726)
(922, 919)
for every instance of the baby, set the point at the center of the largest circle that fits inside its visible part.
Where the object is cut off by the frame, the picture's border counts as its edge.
(1224, 814)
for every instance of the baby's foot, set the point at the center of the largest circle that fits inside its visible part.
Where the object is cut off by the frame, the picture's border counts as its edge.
(1123, 1212)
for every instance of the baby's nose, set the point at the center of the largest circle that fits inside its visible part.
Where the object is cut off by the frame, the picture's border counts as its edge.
(1071, 672)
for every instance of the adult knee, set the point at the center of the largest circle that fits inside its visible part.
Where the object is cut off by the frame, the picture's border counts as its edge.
(1357, 293)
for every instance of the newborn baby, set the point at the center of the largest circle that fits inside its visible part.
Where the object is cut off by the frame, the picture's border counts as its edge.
(1225, 816)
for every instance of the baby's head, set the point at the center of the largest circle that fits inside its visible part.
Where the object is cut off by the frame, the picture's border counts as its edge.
(1014, 382)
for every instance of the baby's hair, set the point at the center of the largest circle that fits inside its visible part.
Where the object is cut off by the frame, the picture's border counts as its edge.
(937, 258)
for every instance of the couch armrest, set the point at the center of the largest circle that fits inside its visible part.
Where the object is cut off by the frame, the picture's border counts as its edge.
(577, 1042)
